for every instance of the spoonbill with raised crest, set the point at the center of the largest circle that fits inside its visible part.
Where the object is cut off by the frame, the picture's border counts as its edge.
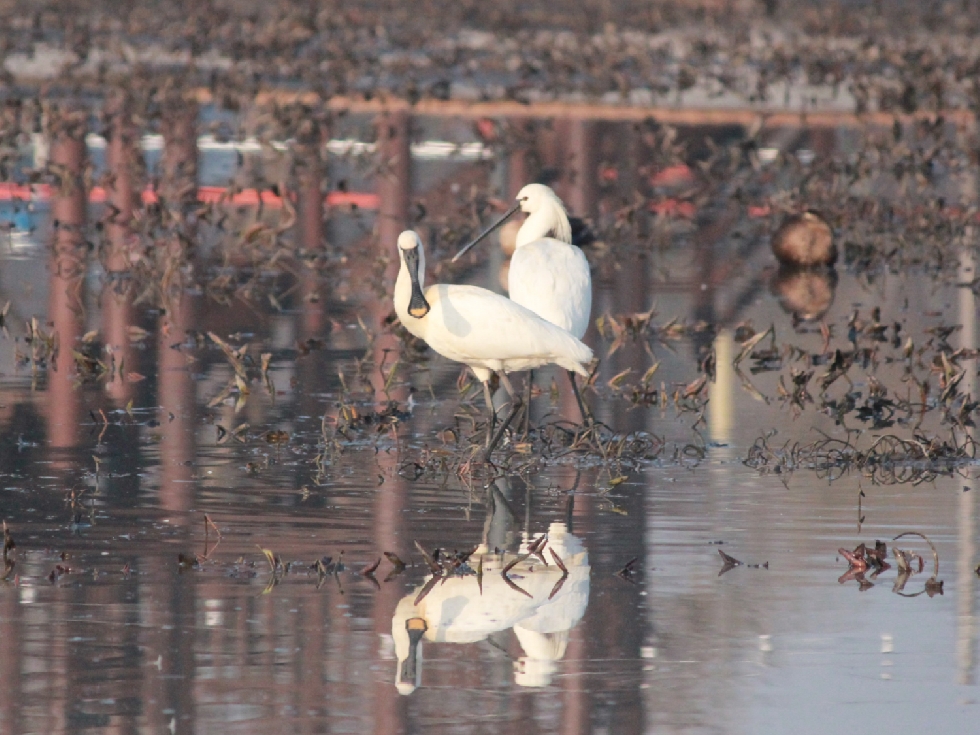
(548, 275)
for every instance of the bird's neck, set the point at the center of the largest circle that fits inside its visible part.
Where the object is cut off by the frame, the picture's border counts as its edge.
(549, 220)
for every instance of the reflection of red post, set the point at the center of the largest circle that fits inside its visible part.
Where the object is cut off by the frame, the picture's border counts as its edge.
(390, 714)
(394, 188)
(67, 270)
(576, 697)
(14, 637)
(578, 191)
(172, 602)
(176, 394)
(177, 398)
(117, 305)
(576, 693)
(176, 388)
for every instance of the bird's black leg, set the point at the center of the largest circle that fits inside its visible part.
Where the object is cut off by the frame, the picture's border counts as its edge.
(526, 422)
(492, 420)
(586, 414)
(516, 404)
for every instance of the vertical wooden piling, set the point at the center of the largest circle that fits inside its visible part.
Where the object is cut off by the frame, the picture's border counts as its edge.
(578, 181)
(393, 180)
(310, 172)
(178, 185)
(518, 165)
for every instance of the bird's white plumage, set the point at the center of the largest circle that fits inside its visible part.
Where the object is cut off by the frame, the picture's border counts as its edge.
(546, 215)
(484, 330)
(549, 275)
(553, 280)
(457, 610)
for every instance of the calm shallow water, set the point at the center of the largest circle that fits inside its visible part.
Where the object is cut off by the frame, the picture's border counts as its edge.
(125, 638)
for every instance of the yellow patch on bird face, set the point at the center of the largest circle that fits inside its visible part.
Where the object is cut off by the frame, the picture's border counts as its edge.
(418, 311)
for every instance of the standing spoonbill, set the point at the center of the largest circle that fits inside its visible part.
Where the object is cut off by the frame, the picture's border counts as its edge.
(548, 275)
(483, 330)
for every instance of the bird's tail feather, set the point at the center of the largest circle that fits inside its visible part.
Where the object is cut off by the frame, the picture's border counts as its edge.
(577, 358)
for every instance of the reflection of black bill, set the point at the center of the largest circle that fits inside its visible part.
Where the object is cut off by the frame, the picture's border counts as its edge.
(491, 228)
(417, 306)
(416, 628)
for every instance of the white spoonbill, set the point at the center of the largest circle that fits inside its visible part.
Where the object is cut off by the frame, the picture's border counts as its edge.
(486, 331)
(548, 275)
(468, 609)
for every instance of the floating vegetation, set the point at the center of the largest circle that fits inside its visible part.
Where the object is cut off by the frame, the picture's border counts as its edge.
(888, 460)
(908, 563)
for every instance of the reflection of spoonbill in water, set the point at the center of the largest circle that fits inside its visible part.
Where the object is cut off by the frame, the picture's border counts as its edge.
(458, 611)
(486, 331)
(548, 275)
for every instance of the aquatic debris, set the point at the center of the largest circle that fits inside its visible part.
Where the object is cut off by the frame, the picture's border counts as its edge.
(326, 566)
(208, 550)
(387, 419)
(456, 564)
(8, 546)
(905, 560)
(730, 562)
(368, 573)
(187, 561)
(564, 574)
(240, 433)
(510, 583)
(277, 437)
(889, 460)
(626, 573)
(536, 547)
(865, 557)
(276, 569)
(429, 561)
(860, 560)
(59, 571)
(275, 562)
(397, 564)
(745, 349)
(8, 541)
(428, 587)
